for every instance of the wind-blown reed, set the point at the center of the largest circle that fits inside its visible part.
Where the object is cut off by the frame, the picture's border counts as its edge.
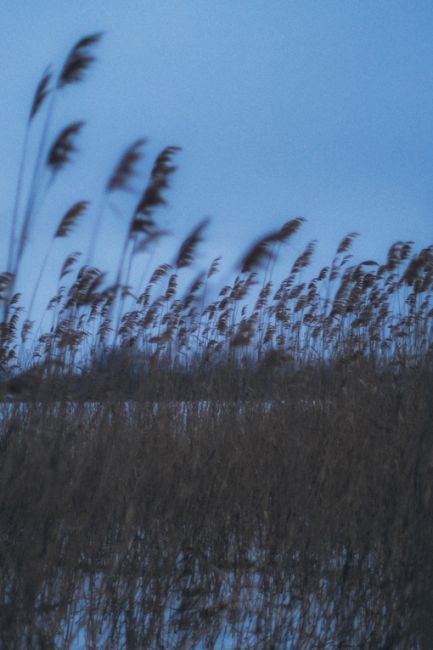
(187, 466)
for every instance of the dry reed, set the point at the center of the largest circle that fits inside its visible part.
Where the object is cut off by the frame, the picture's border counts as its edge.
(249, 471)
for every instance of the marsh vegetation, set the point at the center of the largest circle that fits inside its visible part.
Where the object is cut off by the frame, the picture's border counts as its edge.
(184, 465)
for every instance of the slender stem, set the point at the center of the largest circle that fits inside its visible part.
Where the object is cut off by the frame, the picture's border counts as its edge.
(38, 279)
(15, 212)
(118, 280)
(34, 186)
(29, 211)
(146, 269)
(122, 259)
(96, 229)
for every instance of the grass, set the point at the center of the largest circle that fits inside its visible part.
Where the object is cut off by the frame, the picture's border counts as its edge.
(181, 469)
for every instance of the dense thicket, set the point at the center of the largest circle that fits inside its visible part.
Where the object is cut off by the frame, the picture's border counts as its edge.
(242, 467)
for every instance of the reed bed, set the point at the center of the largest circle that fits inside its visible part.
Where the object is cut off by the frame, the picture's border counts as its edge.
(185, 466)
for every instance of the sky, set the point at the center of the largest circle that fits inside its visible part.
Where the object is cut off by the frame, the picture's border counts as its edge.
(321, 109)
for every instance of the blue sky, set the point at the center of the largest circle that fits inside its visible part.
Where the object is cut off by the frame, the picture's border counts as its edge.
(283, 109)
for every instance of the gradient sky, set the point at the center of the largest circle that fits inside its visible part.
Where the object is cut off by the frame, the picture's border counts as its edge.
(320, 109)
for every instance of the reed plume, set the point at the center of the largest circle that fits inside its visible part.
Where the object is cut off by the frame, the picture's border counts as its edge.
(64, 146)
(41, 93)
(79, 60)
(262, 250)
(70, 219)
(126, 168)
(187, 249)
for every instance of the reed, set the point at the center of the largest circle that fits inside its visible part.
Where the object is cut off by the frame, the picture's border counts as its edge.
(184, 465)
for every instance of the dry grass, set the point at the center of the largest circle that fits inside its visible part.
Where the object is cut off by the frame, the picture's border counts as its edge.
(249, 471)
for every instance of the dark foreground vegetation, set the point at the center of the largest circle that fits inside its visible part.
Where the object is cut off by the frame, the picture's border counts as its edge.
(242, 467)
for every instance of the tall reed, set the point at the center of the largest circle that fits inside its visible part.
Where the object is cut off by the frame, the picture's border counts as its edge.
(184, 465)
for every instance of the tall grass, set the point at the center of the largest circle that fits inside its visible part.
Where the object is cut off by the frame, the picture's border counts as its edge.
(188, 468)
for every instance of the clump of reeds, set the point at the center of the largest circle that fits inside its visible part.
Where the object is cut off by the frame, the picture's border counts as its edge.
(249, 466)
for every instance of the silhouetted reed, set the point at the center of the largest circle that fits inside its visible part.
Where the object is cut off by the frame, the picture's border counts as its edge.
(183, 466)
